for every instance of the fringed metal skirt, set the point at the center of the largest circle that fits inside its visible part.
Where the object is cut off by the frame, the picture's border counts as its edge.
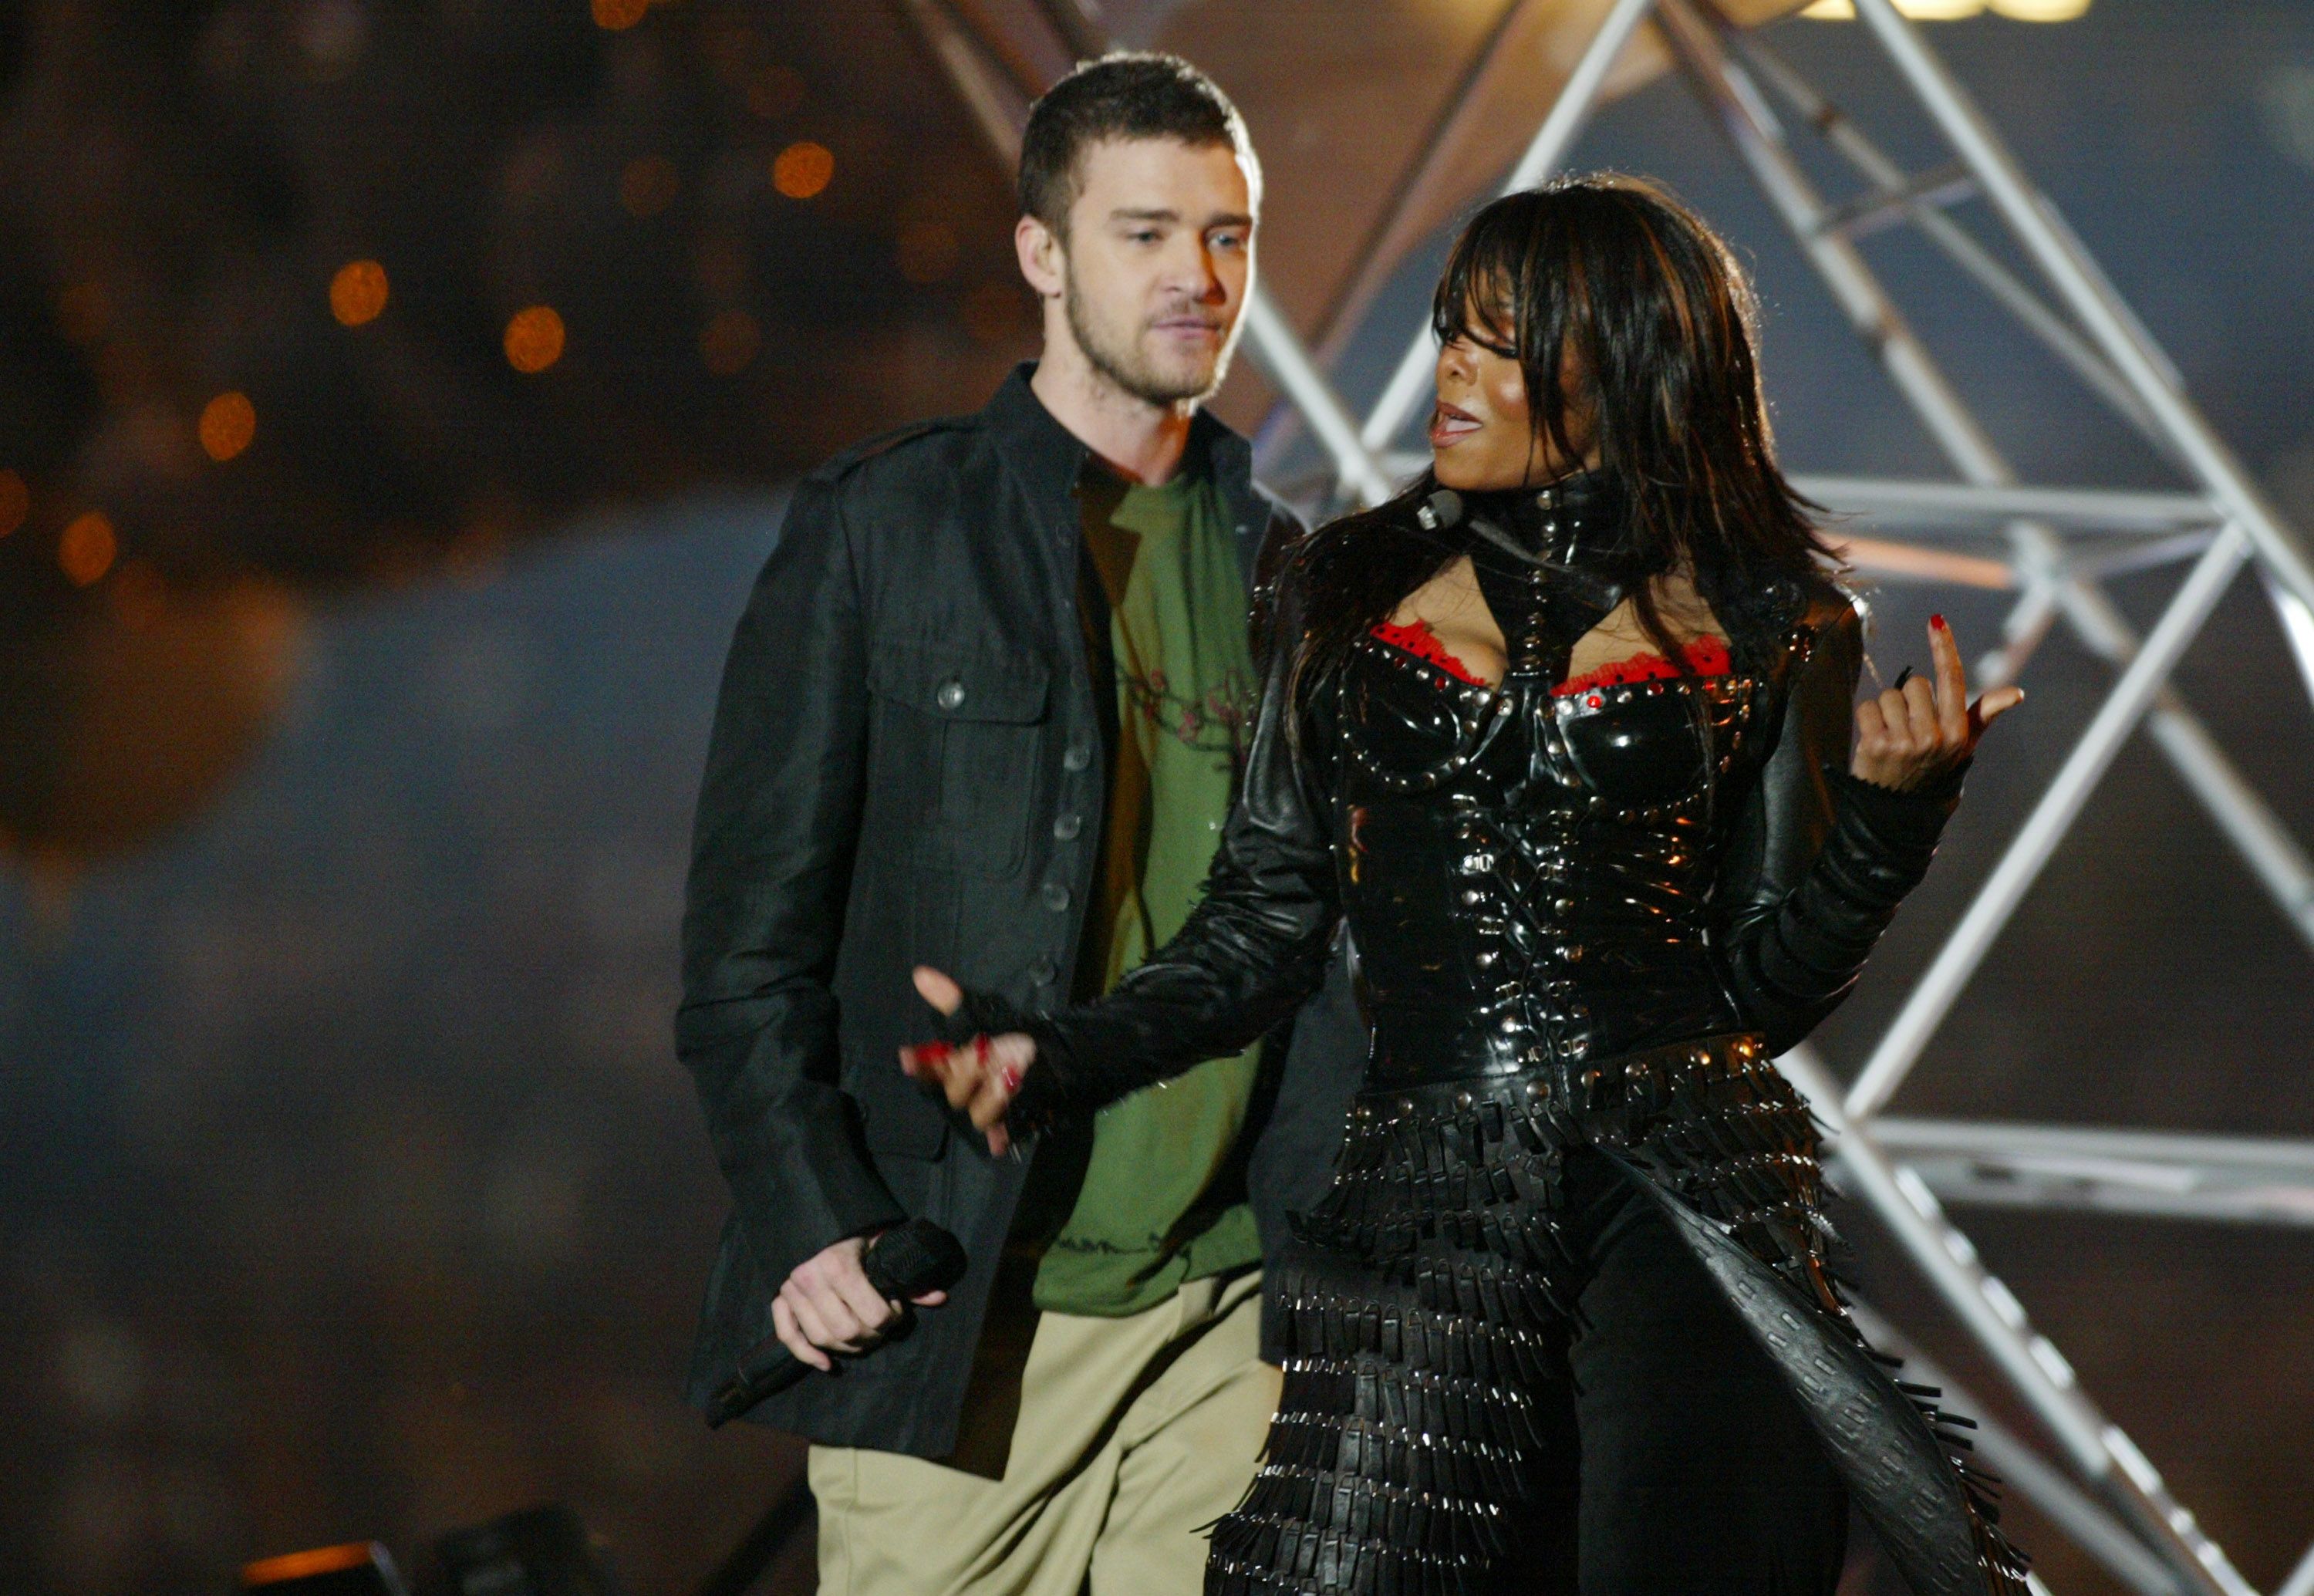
(1432, 1300)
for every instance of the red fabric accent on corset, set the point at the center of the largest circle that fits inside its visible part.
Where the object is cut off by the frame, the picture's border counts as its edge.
(1420, 641)
(1706, 656)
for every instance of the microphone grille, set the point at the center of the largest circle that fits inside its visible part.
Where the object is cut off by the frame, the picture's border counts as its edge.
(1440, 511)
(913, 1258)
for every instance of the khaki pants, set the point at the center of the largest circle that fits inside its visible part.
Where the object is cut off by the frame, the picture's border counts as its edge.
(1132, 1435)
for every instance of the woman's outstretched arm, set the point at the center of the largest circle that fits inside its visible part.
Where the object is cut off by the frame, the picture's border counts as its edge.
(1251, 952)
(1821, 854)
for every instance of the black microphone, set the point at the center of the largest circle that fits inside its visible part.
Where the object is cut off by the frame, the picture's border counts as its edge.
(1440, 511)
(904, 1262)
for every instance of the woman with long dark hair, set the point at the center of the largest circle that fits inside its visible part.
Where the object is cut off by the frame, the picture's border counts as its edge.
(1564, 732)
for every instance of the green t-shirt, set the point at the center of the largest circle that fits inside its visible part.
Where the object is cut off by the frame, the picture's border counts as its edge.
(1162, 1198)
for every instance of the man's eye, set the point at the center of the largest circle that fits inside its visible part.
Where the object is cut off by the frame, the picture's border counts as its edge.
(1146, 236)
(1229, 240)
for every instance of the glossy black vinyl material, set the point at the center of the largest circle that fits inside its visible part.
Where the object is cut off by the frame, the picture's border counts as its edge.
(1584, 923)
(1436, 1315)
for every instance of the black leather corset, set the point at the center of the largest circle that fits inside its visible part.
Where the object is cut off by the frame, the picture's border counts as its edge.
(1526, 873)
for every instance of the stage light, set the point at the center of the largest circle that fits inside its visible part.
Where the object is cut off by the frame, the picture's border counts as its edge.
(228, 425)
(15, 502)
(802, 170)
(362, 1568)
(1951, 10)
(87, 549)
(620, 14)
(535, 339)
(358, 293)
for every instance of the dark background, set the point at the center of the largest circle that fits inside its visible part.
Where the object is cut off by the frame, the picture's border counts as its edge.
(348, 1183)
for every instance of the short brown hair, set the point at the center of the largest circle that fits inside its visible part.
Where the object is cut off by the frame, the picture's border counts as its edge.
(1129, 95)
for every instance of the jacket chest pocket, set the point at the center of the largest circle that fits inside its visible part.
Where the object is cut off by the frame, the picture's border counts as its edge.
(973, 724)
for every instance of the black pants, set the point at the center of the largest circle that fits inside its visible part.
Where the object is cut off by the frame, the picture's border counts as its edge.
(1454, 1423)
(1696, 1471)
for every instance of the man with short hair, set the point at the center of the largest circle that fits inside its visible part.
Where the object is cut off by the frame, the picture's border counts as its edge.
(984, 712)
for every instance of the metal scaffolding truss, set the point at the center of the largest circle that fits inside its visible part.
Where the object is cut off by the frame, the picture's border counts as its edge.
(2057, 546)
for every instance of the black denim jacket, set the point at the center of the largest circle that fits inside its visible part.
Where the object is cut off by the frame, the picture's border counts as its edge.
(908, 766)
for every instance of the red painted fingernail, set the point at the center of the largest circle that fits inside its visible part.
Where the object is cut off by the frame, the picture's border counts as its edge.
(980, 1050)
(934, 1053)
(1938, 623)
(1010, 1077)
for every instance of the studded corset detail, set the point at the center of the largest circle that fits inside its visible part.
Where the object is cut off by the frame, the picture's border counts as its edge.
(1525, 871)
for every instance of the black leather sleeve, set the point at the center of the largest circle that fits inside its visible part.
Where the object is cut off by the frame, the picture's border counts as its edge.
(1254, 948)
(1819, 859)
(770, 864)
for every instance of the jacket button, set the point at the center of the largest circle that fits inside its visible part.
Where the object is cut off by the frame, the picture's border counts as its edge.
(951, 695)
(1056, 895)
(1067, 827)
(1044, 972)
(1077, 756)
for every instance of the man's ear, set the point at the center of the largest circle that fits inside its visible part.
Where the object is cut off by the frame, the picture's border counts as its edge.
(1042, 257)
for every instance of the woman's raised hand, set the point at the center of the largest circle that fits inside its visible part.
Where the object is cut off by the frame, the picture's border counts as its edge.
(1911, 734)
(978, 1078)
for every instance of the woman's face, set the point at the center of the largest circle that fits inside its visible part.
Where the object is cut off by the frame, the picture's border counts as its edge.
(1482, 433)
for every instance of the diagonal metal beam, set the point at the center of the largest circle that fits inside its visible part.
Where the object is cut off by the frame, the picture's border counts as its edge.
(2300, 1582)
(2265, 845)
(2023, 1472)
(1899, 200)
(1544, 152)
(1932, 995)
(1976, 262)
(1375, 259)
(2097, 1448)
(982, 78)
(2102, 1452)
(2092, 300)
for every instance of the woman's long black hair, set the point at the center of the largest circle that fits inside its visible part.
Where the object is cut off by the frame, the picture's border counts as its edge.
(1614, 282)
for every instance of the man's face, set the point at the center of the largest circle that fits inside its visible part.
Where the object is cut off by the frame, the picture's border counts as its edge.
(1156, 263)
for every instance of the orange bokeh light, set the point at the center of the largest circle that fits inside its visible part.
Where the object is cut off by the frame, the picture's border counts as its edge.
(297, 1566)
(802, 170)
(15, 502)
(358, 293)
(619, 14)
(228, 425)
(88, 549)
(535, 339)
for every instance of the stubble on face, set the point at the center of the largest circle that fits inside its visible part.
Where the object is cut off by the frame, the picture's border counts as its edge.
(1123, 356)
(1155, 262)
